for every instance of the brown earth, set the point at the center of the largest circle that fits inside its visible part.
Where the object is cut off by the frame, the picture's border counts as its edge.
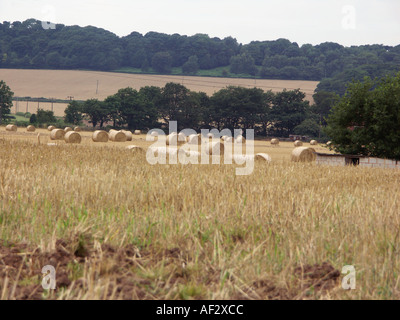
(20, 271)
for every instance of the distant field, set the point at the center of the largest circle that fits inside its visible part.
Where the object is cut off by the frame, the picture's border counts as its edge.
(82, 85)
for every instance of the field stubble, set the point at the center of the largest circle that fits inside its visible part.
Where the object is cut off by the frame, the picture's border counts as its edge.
(117, 227)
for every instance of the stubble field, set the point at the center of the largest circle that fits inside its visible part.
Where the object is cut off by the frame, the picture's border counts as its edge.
(116, 227)
(83, 85)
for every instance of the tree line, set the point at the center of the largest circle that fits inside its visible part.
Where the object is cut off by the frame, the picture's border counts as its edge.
(276, 114)
(27, 45)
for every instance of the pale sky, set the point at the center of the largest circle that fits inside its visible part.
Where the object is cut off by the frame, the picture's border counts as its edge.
(348, 22)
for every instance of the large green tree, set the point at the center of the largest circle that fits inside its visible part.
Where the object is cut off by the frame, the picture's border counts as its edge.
(5, 100)
(73, 113)
(366, 120)
(96, 111)
(179, 104)
(289, 111)
(135, 109)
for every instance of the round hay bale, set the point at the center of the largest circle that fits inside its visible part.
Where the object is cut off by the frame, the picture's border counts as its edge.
(215, 149)
(314, 142)
(57, 134)
(100, 136)
(117, 136)
(136, 150)
(225, 137)
(68, 129)
(11, 127)
(182, 137)
(77, 129)
(275, 142)
(31, 129)
(194, 139)
(129, 135)
(51, 128)
(240, 139)
(73, 137)
(138, 132)
(303, 154)
(298, 143)
(175, 139)
(263, 157)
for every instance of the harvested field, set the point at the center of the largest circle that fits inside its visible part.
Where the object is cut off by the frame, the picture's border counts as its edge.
(116, 227)
(82, 85)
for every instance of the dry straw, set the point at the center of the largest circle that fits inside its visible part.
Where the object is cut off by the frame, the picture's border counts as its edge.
(298, 143)
(303, 154)
(51, 128)
(73, 137)
(117, 136)
(129, 135)
(314, 142)
(77, 129)
(136, 150)
(57, 134)
(159, 151)
(11, 127)
(137, 133)
(275, 142)
(100, 136)
(215, 149)
(31, 128)
(68, 129)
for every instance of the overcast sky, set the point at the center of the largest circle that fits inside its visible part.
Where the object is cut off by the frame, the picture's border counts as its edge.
(348, 22)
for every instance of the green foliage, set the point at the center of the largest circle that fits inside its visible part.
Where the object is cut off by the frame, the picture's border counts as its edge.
(191, 66)
(182, 105)
(308, 127)
(73, 113)
(28, 45)
(96, 111)
(289, 111)
(366, 120)
(45, 117)
(33, 119)
(243, 63)
(5, 100)
(162, 62)
(231, 108)
(238, 107)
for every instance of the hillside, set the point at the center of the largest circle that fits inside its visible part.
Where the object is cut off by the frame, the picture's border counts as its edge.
(27, 45)
(82, 85)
